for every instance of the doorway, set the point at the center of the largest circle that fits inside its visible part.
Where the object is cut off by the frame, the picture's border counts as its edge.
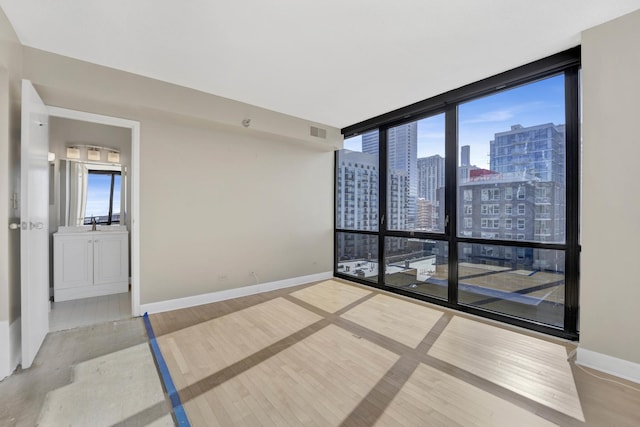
(107, 147)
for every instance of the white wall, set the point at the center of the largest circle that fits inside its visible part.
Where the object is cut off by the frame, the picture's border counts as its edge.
(610, 283)
(218, 201)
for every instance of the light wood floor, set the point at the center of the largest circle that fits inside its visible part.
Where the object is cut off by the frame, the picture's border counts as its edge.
(340, 354)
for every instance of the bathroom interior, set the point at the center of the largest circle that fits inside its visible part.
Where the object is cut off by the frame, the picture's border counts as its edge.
(89, 223)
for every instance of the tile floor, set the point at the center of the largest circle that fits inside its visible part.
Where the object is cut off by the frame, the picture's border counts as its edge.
(89, 311)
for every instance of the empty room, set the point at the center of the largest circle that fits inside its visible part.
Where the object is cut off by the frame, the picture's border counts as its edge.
(319, 213)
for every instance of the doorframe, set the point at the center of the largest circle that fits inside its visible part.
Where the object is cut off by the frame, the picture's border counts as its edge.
(134, 126)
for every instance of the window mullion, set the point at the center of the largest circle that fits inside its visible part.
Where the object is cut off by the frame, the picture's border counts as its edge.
(451, 199)
(382, 202)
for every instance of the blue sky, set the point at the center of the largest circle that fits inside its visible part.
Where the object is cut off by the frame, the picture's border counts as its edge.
(98, 194)
(478, 120)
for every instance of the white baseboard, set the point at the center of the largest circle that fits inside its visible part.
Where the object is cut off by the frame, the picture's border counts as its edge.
(175, 304)
(611, 365)
(10, 343)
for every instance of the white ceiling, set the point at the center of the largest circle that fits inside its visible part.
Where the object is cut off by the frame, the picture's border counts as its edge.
(336, 62)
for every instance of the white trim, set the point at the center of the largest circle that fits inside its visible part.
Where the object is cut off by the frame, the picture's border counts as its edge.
(5, 369)
(192, 301)
(611, 365)
(135, 187)
(135, 220)
(91, 117)
(9, 359)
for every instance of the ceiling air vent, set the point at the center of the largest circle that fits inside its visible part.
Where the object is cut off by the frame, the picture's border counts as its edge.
(318, 132)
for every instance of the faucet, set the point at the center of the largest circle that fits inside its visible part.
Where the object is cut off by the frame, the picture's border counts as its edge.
(94, 223)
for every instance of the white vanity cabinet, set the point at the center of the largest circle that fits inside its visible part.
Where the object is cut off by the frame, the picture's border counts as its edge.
(91, 263)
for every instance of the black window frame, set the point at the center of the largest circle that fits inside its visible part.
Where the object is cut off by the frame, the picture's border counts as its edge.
(567, 63)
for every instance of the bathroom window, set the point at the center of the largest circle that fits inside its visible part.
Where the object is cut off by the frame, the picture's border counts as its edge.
(103, 197)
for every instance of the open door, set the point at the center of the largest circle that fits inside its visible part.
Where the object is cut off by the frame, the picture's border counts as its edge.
(34, 213)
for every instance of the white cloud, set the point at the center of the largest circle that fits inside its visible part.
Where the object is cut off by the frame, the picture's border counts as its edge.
(492, 116)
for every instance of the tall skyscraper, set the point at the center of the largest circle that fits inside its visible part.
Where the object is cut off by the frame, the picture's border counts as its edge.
(430, 176)
(402, 143)
(357, 180)
(465, 155)
(370, 142)
(535, 150)
(402, 156)
(522, 197)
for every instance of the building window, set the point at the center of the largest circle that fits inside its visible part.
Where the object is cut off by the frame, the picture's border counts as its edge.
(468, 209)
(508, 209)
(490, 223)
(521, 209)
(508, 223)
(493, 209)
(521, 223)
(508, 193)
(486, 250)
(521, 193)
(490, 194)
(468, 222)
(468, 195)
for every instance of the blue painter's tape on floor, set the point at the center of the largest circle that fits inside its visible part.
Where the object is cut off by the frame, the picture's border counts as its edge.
(178, 410)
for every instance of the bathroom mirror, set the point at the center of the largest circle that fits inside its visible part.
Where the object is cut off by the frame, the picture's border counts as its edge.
(92, 191)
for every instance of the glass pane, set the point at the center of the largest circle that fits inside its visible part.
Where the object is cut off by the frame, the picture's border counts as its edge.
(117, 186)
(511, 182)
(415, 188)
(98, 196)
(358, 255)
(417, 265)
(357, 183)
(523, 282)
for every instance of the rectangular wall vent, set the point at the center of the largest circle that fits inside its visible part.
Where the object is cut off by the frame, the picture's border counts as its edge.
(318, 132)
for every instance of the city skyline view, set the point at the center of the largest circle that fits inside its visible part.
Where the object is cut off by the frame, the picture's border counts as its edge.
(511, 167)
(528, 105)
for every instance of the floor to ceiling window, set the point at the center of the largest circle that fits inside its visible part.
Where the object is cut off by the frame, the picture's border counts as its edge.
(470, 199)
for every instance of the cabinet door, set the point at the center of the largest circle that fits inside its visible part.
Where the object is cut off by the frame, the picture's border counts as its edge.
(73, 261)
(111, 258)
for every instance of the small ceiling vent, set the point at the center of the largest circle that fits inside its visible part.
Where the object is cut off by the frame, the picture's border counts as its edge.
(318, 132)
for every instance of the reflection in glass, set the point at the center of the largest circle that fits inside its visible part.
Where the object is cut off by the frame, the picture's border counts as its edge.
(524, 282)
(417, 265)
(358, 255)
(100, 193)
(86, 191)
(415, 188)
(357, 183)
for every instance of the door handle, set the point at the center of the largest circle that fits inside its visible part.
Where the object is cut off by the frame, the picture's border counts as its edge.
(14, 226)
(36, 225)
